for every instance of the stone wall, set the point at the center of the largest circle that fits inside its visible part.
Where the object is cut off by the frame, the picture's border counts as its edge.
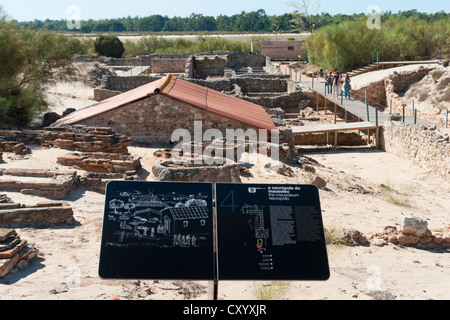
(164, 65)
(213, 66)
(124, 84)
(103, 94)
(425, 146)
(143, 60)
(322, 139)
(239, 59)
(153, 120)
(397, 84)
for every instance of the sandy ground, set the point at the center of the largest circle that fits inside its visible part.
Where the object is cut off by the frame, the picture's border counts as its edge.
(67, 267)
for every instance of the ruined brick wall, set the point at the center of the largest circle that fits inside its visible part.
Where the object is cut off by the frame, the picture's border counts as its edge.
(239, 59)
(124, 84)
(211, 66)
(143, 60)
(425, 146)
(163, 65)
(103, 94)
(153, 120)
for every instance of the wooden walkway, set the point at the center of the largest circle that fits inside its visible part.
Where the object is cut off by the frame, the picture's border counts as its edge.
(335, 128)
(358, 109)
(368, 118)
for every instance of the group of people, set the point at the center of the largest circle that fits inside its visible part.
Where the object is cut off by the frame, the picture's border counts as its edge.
(338, 84)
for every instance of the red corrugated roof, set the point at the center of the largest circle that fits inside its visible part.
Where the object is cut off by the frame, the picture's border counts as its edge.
(200, 97)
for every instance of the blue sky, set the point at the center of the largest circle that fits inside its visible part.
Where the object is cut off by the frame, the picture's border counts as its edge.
(25, 10)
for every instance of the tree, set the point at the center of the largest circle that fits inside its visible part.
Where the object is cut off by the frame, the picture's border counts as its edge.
(303, 21)
(29, 61)
(109, 46)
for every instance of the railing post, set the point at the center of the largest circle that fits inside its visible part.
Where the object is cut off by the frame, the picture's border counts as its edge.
(415, 116)
(403, 116)
(368, 113)
(446, 119)
(390, 106)
(376, 116)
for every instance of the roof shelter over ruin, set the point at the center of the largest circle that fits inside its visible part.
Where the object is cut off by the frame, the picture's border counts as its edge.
(169, 103)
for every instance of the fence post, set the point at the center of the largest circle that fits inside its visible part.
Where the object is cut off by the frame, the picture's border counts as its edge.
(390, 107)
(365, 99)
(376, 116)
(415, 116)
(403, 117)
(446, 119)
(368, 113)
(413, 107)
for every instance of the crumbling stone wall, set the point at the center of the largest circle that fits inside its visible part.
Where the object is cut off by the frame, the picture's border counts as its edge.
(397, 84)
(425, 146)
(143, 60)
(124, 84)
(165, 65)
(78, 138)
(103, 94)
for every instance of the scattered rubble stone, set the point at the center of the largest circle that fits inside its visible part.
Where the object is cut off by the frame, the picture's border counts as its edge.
(319, 182)
(399, 237)
(15, 253)
(415, 226)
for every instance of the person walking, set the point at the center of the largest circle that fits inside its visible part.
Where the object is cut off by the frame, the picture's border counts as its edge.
(329, 82)
(347, 86)
(336, 84)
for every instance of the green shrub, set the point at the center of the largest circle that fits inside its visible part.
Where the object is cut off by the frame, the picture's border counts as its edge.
(349, 45)
(29, 61)
(109, 46)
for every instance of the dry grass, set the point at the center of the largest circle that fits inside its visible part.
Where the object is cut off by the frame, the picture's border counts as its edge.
(274, 290)
(398, 197)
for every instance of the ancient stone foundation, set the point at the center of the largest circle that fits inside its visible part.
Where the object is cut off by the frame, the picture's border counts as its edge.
(15, 253)
(78, 138)
(169, 171)
(43, 213)
(45, 183)
(101, 162)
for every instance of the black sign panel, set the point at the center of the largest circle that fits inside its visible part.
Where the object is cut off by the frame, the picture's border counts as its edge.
(157, 230)
(270, 232)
